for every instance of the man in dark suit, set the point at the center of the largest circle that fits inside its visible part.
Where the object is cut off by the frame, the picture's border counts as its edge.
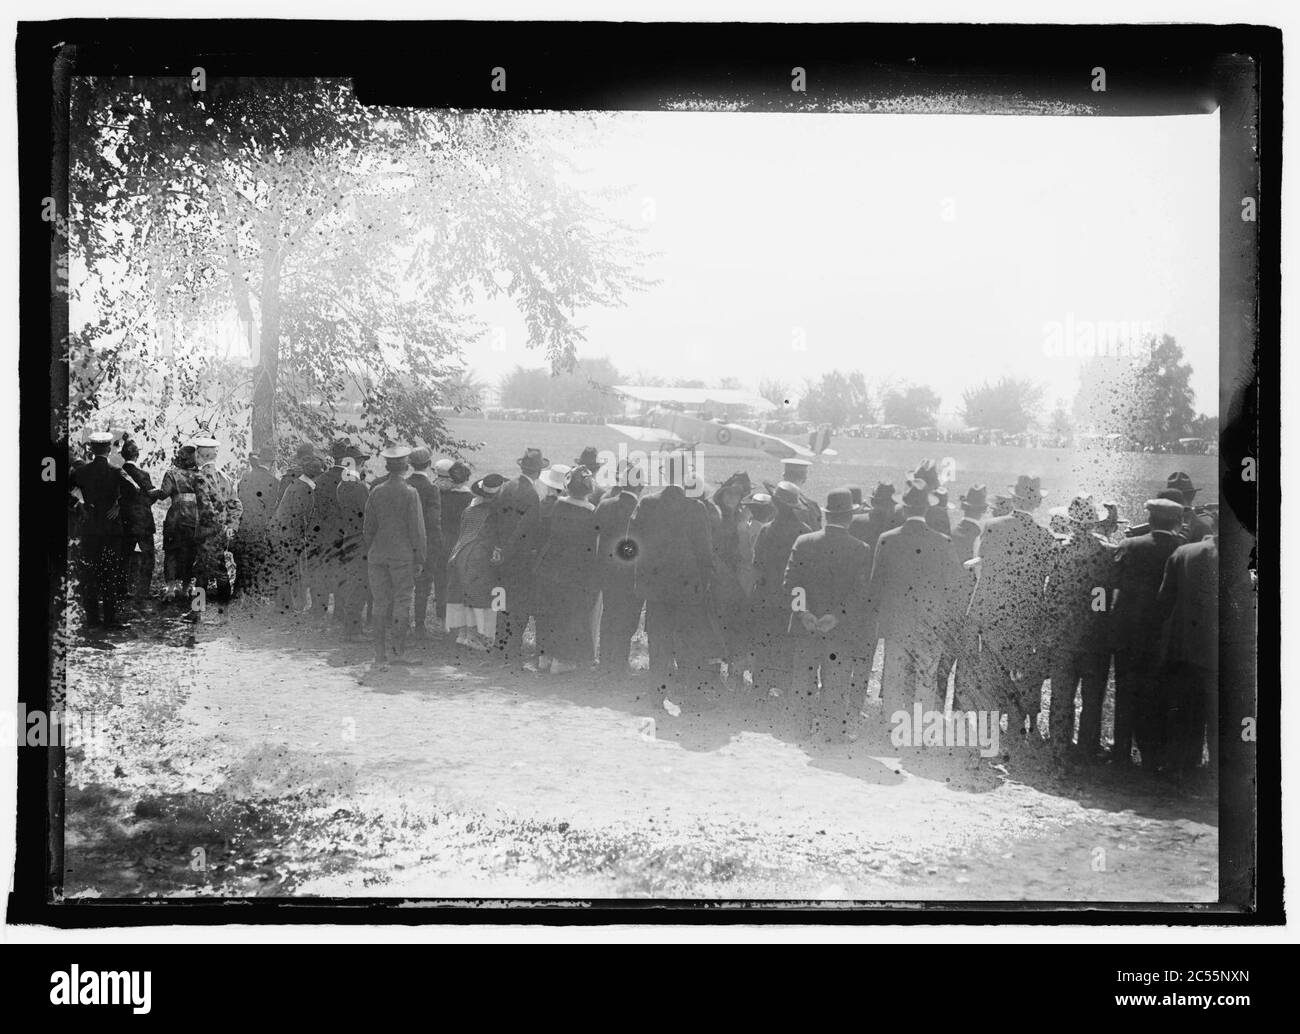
(964, 653)
(860, 525)
(259, 494)
(431, 506)
(769, 604)
(882, 513)
(1006, 610)
(795, 472)
(135, 575)
(451, 479)
(518, 504)
(1139, 570)
(325, 531)
(673, 561)
(291, 531)
(826, 578)
(1077, 628)
(937, 515)
(914, 600)
(97, 487)
(396, 544)
(616, 553)
(1195, 524)
(1189, 603)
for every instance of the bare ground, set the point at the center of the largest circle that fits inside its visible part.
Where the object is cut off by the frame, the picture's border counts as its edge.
(245, 756)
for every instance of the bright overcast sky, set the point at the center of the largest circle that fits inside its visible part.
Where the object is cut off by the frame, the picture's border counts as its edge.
(835, 225)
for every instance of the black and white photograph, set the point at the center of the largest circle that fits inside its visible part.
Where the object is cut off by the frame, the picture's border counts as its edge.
(777, 479)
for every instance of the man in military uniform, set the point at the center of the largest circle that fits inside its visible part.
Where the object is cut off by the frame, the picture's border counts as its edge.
(259, 494)
(396, 551)
(431, 507)
(1139, 570)
(138, 528)
(97, 489)
(1078, 629)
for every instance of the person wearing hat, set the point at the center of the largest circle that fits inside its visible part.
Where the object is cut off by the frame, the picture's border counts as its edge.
(590, 458)
(1189, 603)
(727, 596)
(827, 575)
(191, 514)
(1137, 619)
(472, 579)
(259, 494)
(291, 529)
(396, 550)
(860, 525)
(99, 534)
(1006, 611)
(937, 516)
(212, 562)
(1195, 524)
(517, 508)
(756, 512)
(966, 536)
(135, 573)
(616, 553)
(325, 531)
(524, 547)
(795, 472)
(451, 478)
(431, 506)
(566, 576)
(915, 599)
(1000, 506)
(883, 513)
(773, 649)
(671, 573)
(1077, 629)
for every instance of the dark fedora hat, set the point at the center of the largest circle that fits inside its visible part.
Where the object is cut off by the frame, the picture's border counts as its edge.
(1028, 486)
(884, 493)
(1180, 481)
(976, 499)
(532, 459)
(589, 458)
(918, 494)
(839, 502)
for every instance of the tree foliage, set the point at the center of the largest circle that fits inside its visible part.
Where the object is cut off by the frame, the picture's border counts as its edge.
(838, 399)
(572, 391)
(911, 405)
(1149, 399)
(1010, 404)
(347, 243)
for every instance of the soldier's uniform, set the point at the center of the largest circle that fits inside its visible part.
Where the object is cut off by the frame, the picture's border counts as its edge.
(99, 487)
(396, 545)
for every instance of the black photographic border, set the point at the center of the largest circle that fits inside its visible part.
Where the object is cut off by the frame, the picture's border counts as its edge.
(1151, 69)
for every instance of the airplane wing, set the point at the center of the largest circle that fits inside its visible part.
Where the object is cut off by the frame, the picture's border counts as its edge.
(650, 435)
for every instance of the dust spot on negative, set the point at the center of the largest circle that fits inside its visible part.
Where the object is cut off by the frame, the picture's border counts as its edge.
(626, 549)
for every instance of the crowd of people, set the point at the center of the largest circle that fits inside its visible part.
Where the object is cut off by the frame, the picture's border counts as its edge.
(751, 591)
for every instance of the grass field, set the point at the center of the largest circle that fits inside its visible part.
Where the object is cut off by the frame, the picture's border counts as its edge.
(1129, 478)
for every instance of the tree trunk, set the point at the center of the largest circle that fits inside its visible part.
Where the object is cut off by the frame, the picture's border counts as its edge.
(263, 429)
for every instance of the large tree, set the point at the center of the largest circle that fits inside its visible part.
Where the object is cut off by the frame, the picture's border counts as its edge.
(1010, 404)
(838, 399)
(1149, 399)
(911, 405)
(347, 242)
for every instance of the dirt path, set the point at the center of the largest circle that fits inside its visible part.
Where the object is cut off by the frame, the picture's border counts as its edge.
(244, 757)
